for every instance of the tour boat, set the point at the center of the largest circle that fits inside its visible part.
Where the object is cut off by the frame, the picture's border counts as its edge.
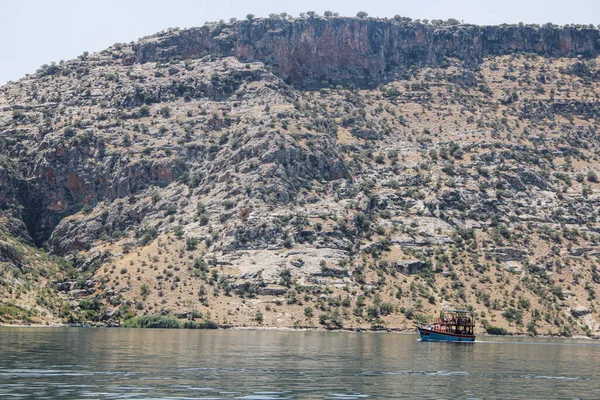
(451, 326)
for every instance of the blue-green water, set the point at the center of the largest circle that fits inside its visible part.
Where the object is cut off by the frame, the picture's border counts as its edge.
(131, 364)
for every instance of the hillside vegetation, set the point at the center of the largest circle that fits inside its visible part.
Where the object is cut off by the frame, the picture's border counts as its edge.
(227, 188)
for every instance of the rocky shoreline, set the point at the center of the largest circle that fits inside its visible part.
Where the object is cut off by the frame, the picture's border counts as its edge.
(399, 331)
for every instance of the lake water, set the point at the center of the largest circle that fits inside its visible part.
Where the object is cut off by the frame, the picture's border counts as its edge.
(130, 364)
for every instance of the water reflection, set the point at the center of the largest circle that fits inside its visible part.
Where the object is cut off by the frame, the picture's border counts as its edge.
(128, 363)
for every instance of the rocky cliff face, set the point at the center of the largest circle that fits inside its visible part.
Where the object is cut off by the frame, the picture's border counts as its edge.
(181, 174)
(347, 49)
(66, 166)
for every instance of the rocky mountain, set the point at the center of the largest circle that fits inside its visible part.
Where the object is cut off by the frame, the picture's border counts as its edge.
(308, 172)
(313, 50)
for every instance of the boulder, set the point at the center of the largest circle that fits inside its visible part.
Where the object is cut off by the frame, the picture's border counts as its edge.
(507, 253)
(453, 200)
(109, 313)
(579, 251)
(366, 134)
(514, 181)
(512, 266)
(530, 177)
(78, 293)
(272, 290)
(124, 289)
(579, 311)
(298, 262)
(65, 286)
(506, 99)
(410, 267)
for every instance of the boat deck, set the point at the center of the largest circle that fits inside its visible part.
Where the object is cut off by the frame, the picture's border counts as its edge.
(429, 335)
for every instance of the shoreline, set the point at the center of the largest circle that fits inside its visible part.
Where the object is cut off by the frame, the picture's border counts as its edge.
(397, 331)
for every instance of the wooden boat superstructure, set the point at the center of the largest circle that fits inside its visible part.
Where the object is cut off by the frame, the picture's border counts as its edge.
(451, 326)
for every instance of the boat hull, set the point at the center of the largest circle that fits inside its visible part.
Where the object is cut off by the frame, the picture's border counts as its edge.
(428, 335)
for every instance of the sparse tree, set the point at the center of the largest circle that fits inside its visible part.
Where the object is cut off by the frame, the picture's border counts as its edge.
(308, 313)
(202, 292)
(144, 290)
(259, 317)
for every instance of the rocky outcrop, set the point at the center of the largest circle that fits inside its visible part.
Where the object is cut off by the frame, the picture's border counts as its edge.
(272, 290)
(532, 178)
(580, 311)
(64, 184)
(580, 251)
(9, 254)
(507, 253)
(311, 50)
(410, 267)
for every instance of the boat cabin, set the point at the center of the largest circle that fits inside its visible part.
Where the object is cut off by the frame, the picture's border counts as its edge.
(457, 322)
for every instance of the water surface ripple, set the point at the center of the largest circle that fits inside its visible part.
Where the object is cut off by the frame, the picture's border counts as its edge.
(49, 363)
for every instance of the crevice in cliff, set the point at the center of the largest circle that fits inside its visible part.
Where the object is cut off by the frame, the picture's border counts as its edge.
(32, 212)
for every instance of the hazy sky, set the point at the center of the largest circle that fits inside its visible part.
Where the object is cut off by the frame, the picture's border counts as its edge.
(35, 32)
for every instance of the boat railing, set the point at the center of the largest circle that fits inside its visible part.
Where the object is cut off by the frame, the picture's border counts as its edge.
(457, 325)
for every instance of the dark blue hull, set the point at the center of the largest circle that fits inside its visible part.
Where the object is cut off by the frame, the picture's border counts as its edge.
(428, 335)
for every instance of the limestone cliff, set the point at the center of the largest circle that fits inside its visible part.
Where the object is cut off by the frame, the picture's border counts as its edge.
(313, 50)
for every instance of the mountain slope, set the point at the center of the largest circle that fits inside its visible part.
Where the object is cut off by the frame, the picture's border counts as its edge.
(409, 167)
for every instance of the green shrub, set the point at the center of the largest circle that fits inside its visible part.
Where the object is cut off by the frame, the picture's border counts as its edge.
(145, 290)
(148, 235)
(496, 330)
(165, 112)
(144, 111)
(259, 317)
(323, 319)
(532, 328)
(9, 311)
(206, 324)
(386, 308)
(91, 315)
(513, 315)
(152, 321)
(373, 312)
(203, 219)
(308, 312)
(191, 243)
(92, 304)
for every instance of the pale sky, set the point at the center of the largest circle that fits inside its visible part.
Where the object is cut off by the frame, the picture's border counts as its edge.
(36, 32)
